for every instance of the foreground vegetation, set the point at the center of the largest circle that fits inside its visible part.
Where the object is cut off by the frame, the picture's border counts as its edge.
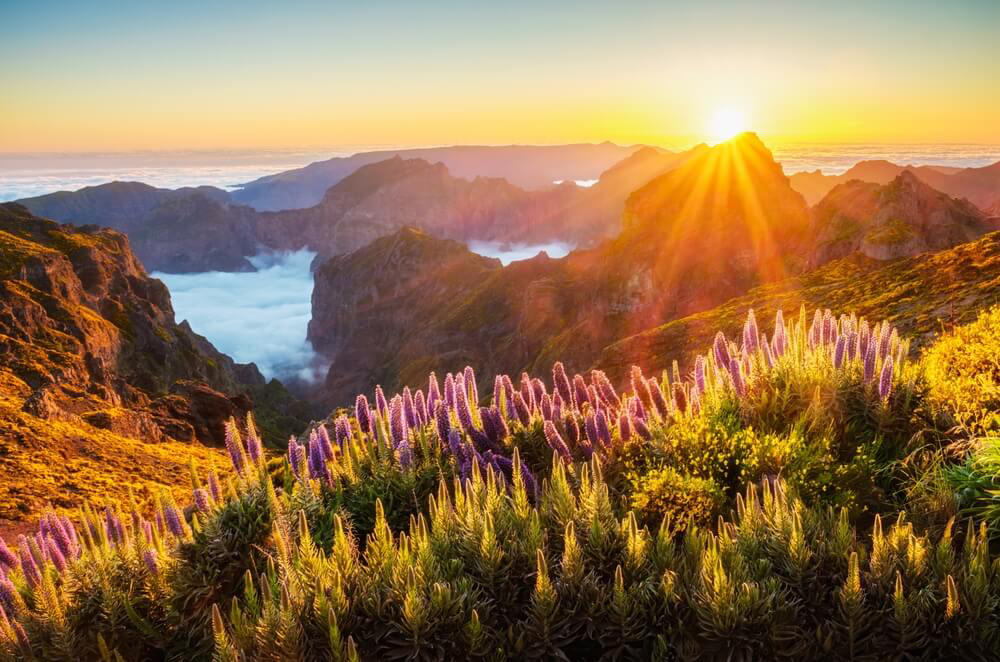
(811, 494)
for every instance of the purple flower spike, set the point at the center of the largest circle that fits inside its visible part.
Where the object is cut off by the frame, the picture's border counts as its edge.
(449, 390)
(827, 329)
(470, 384)
(721, 350)
(884, 340)
(433, 393)
(202, 501)
(213, 485)
(508, 393)
(869, 370)
(409, 409)
(556, 442)
(362, 414)
(397, 425)
(699, 372)
(294, 457)
(546, 407)
(499, 424)
(530, 484)
(560, 382)
(149, 558)
(341, 432)
(624, 426)
(737, 376)
(317, 461)
(838, 352)
(768, 355)
(462, 407)
(173, 519)
(255, 447)
(557, 407)
(9, 597)
(590, 427)
(750, 333)
(455, 444)
(580, 392)
(527, 392)
(381, 405)
(885, 381)
(605, 388)
(680, 397)
(641, 429)
(421, 405)
(7, 557)
(659, 402)
(603, 429)
(405, 455)
(521, 408)
(56, 556)
(234, 447)
(443, 422)
(323, 439)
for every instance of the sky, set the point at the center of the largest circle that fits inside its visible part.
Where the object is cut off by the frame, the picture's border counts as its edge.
(254, 75)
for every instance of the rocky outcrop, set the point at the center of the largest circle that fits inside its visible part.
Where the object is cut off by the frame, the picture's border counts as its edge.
(368, 303)
(981, 186)
(93, 338)
(899, 219)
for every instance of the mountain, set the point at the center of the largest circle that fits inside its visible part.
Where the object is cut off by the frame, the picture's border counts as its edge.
(172, 230)
(525, 166)
(898, 219)
(981, 186)
(703, 221)
(90, 355)
(366, 302)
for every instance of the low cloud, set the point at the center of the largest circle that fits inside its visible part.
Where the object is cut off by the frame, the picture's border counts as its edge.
(507, 252)
(258, 317)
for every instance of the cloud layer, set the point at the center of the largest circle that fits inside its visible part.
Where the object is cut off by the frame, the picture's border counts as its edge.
(508, 253)
(258, 317)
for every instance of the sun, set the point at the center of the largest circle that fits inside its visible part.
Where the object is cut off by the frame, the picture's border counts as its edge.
(727, 122)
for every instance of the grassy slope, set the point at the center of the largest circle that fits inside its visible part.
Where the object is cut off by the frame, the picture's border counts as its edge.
(920, 295)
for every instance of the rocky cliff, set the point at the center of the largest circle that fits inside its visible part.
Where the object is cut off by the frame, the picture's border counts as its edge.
(898, 219)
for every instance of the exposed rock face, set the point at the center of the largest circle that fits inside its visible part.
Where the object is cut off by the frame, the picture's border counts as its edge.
(524, 166)
(366, 304)
(720, 223)
(899, 219)
(94, 339)
(981, 186)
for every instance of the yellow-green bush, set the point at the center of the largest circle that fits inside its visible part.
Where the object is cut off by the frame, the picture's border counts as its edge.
(963, 373)
(681, 500)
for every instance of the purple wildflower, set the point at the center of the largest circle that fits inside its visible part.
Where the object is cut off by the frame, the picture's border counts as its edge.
(234, 446)
(255, 448)
(588, 450)
(499, 424)
(397, 426)
(580, 392)
(546, 407)
(508, 392)
(590, 427)
(521, 408)
(659, 403)
(56, 556)
(433, 393)
(381, 405)
(838, 352)
(624, 426)
(721, 350)
(699, 372)
(323, 440)
(572, 428)
(641, 429)
(202, 502)
(405, 455)
(455, 444)
(409, 409)
(173, 519)
(851, 345)
(421, 405)
(449, 390)
(885, 381)
(10, 599)
(737, 377)
(556, 442)
(489, 429)
(7, 557)
(317, 460)
(827, 328)
(603, 429)
(560, 382)
(750, 334)
(884, 340)
(443, 422)
(869, 369)
(527, 392)
(462, 407)
(680, 397)
(605, 388)
(470, 384)
(341, 432)
(528, 479)
(557, 407)
(116, 532)
(294, 457)
(864, 338)
(149, 558)
(768, 354)
(362, 414)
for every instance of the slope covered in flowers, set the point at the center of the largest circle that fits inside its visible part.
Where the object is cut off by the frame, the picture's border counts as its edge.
(755, 507)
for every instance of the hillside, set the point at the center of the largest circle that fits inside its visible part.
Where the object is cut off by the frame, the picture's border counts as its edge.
(921, 295)
(94, 365)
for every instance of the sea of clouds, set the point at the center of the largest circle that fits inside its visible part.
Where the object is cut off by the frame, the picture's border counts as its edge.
(259, 317)
(508, 253)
